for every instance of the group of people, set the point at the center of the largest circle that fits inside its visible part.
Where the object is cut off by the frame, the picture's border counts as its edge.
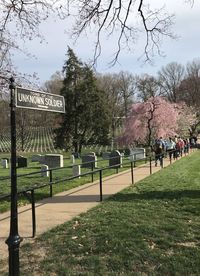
(175, 148)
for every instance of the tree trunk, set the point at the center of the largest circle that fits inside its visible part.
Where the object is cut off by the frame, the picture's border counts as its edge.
(75, 146)
(80, 148)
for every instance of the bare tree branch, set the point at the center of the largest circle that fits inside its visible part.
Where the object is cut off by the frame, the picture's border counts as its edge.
(20, 21)
(155, 29)
(126, 20)
(117, 16)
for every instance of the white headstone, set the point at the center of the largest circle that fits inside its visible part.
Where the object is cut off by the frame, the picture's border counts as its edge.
(115, 159)
(76, 170)
(106, 155)
(72, 158)
(41, 158)
(91, 153)
(89, 160)
(35, 158)
(4, 163)
(54, 160)
(137, 154)
(44, 171)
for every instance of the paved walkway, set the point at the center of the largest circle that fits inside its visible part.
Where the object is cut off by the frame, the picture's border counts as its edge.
(64, 206)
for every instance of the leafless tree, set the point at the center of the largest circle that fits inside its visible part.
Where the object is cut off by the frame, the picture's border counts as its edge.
(110, 84)
(120, 89)
(124, 19)
(127, 85)
(193, 68)
(52, 86)
(147, 87)
(170, 78)
(55, 84)
(189, 91)
(20, 21)
(127, 18)
(189, 88)
(4, 115)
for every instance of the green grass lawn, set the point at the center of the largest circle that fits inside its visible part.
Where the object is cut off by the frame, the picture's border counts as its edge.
(35, 180)
(152, 228)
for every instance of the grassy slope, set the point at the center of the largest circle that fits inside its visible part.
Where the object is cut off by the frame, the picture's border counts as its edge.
(149, 229)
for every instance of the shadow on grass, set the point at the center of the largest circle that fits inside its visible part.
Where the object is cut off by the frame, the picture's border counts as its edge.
(152, 195)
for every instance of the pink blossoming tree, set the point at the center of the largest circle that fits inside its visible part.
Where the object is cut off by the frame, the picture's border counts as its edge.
(151, 119)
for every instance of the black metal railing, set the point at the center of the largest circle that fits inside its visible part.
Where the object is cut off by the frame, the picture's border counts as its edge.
(29, 193)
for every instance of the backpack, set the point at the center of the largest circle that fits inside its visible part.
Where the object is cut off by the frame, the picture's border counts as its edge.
(158, 147)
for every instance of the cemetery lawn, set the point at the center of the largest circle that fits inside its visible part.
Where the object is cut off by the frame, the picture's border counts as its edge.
(151, 228)
(25, 182)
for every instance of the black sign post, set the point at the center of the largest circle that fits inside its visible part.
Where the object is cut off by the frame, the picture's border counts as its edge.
(24, 98)
(13, 241)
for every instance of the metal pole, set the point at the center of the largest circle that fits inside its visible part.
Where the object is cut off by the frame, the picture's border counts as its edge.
(132, 175)
(100, 185)
(92, 168)
(13, 241)
(33, 213)
(50, 176)
(50, 185)
(150, 164)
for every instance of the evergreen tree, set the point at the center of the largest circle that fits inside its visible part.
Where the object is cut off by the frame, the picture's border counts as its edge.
(87, 117)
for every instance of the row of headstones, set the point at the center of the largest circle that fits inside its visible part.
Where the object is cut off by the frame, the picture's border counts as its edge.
(88, 161)
(115, 159)
(135, 154)
(56, 160)
(53, 160)
(21, 162)
(49, 161)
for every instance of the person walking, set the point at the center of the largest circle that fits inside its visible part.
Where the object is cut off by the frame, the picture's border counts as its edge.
(180, 146)
(171, 148)
(159, 151)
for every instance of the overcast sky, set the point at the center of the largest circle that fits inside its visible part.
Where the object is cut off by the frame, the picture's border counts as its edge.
(50, 55)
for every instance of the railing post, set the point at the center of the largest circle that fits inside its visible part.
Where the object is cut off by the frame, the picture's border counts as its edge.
(33, 213)
(50, 176)
(92, 168)
(100, 185)
(150, 164)
(50, 184)
(132, 175)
